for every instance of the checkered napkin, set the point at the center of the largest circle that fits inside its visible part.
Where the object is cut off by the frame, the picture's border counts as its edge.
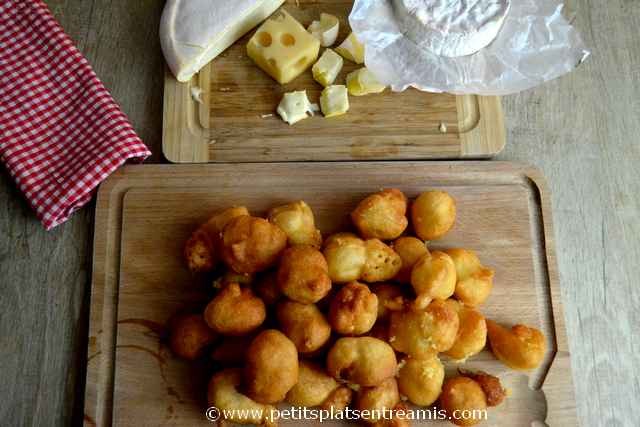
(61, 132)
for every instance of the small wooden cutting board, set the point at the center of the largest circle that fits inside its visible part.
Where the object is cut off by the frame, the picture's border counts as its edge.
(236, 120)
(145, 214)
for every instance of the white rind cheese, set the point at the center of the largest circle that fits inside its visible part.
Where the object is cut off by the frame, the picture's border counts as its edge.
(326, 29)
(451, 28)
(193, 32)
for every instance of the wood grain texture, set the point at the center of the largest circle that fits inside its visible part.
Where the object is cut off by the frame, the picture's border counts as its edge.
(45, 277)
(582, 131)
(237, 121)
(146, 213)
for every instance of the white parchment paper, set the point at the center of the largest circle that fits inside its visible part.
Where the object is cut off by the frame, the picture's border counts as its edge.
(535, 45)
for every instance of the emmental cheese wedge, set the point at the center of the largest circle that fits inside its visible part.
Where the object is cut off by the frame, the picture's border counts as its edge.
(334, 101)
(362, 82)
(352, 49)
(193, 32)
(283, 48)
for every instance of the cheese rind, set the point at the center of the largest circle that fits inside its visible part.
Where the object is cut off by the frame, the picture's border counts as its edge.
(326, 29)
(295, 106)
(451, 28)
(193, 32)
(362, 82)
(326, 70)
(283, 48)
(352, 49)
(334, 101)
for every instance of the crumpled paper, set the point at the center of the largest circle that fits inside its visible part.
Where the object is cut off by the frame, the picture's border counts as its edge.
(535, 45)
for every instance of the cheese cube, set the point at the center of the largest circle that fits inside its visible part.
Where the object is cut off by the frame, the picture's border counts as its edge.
(295, 106)
(334, 101)
(327, 68)
(363, 82)
(283, 48)
(352, 49)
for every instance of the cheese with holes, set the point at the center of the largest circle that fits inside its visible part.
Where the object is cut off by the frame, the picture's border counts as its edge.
(295, 106)
(334, 101)
(352, 49)
(283, 48)
(363, 82)
(193, 32)
(326, 70)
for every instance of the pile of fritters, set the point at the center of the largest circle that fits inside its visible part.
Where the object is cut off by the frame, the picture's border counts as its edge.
(358, 319)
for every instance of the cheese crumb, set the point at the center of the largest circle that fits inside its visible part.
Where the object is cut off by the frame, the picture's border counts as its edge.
(196, 94)
(295, 106)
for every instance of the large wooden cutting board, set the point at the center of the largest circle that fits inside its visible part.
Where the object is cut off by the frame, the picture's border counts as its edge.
(236, 121)
(145, 213)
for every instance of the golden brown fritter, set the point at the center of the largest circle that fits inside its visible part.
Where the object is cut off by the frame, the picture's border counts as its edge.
(303, 275)
(433, 214)
(304, 325)
(251, 245)
(390, 298)
(491, 386)
(400, 417)
(235, 311)
(472, 333)
(376, 401)
(381, 264)
(338, 399)
(297, 221)
(346, 256)
(382, 215)
(190, 335)
(271, 368)
(314, 386)
(353, 309)
(365, 361)
(223, 394)
(474, 281)
(202, 251)
(421, 379)
(464, 399)
(520, 348)
(423, 333)
(410, 249)
(433, 277)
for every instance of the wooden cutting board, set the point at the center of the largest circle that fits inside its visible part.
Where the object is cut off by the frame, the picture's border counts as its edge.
(237, 122)
(145, 214)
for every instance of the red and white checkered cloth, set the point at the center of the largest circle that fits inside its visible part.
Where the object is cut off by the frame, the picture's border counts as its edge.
(61, 132)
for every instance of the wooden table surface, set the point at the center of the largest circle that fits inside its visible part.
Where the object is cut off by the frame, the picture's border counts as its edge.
(583, 131)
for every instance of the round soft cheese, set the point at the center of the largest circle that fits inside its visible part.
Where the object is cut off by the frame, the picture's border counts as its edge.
(193, 32)
(451, 28)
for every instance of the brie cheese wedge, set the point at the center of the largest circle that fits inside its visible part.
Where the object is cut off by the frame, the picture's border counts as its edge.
(451, 28)
(193, 32)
